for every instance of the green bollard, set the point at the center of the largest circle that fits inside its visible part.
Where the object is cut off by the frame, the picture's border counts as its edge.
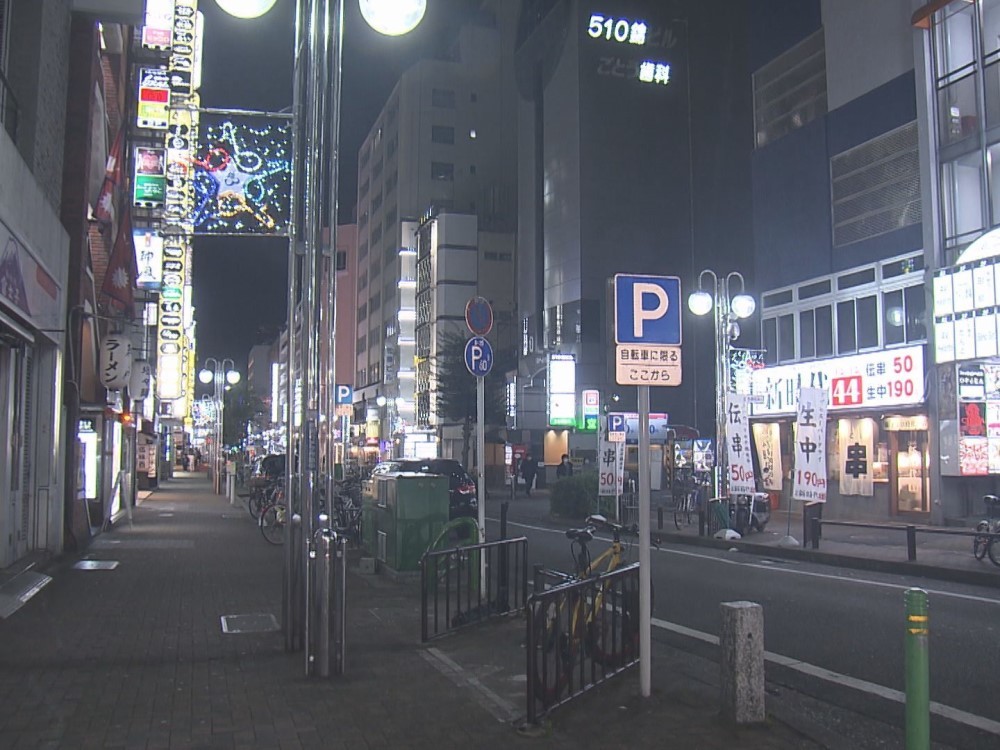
(918, 712)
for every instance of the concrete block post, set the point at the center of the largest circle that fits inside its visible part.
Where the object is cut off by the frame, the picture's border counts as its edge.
(742, 645)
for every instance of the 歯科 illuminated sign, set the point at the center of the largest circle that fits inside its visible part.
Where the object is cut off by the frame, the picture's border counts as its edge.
(154, 99)
(150, 184)
(242, 178)
(626, 31)
(561, 384)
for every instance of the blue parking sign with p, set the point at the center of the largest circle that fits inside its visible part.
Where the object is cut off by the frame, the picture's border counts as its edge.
(647, 310)
(345, 394)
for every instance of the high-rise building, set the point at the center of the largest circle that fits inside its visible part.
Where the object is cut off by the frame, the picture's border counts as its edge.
(604, 187)
(443, 142)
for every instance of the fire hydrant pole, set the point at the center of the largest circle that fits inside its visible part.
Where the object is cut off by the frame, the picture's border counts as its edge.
(918, 716)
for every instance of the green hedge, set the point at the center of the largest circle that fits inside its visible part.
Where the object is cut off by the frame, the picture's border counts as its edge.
(576, 497)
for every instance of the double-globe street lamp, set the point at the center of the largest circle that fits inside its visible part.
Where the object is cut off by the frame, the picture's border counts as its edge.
(316, 126)
(222, 378)
(729, 310)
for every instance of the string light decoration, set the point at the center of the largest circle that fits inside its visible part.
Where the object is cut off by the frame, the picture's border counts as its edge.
(242, 178)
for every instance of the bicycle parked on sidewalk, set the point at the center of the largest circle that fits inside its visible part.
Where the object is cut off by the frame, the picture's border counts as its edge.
(274, 517)
(986, 544)
(602, 624)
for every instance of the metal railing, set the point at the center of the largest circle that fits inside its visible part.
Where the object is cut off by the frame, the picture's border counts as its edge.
(580, 633)
(9, 108)
(911, 530)
(465, 585)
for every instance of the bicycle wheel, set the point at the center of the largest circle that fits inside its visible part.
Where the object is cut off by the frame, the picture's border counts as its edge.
(993, 550)
(981, 543)
(613, 630)
(255, 503)
(554, 653)
(272, 523)
(678, 511)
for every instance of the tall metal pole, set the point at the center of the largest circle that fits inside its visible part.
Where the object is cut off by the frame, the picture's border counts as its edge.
(721, 307)
(645, 593)
(292, 581)
(481, 456)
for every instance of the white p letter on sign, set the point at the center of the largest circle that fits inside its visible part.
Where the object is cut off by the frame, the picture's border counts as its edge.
(641, 315)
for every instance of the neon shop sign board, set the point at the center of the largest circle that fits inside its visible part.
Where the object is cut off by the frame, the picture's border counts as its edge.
(631, 32)
(893, 377)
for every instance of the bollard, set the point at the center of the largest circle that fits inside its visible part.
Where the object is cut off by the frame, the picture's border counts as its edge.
(504, 506)
(659, 518)
(340, 606)
(918, 711)
(701, 523)
(814, 532)
(326, 543)
(231, 488)
(911, 543)
(741, 641)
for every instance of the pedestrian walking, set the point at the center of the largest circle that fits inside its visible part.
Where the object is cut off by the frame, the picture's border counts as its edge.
(528, 471)
(565, 468)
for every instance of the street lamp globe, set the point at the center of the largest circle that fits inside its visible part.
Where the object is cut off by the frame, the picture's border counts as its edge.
(380, 401)
(246, 8)
(232, 377)
(393, 17)
(700, 302)
(205, 376)
(743, 306)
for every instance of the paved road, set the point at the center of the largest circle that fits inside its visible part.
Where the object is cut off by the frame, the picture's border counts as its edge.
(846, 621)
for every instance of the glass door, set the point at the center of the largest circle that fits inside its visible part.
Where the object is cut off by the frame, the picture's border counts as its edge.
(911, 493)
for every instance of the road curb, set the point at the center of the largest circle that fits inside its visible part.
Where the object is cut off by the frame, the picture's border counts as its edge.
(952, 575)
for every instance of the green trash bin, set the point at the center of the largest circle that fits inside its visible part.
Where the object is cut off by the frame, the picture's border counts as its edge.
(416, 508)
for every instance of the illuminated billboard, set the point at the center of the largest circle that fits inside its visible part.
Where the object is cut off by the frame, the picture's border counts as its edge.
(562, 390)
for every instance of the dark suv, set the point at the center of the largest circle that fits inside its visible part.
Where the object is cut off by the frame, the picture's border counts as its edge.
(462, 500)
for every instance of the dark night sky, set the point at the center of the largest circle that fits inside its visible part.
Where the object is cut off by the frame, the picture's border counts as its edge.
(240, 283)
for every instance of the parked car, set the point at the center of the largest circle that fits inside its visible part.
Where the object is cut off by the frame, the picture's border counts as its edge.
(462, 499)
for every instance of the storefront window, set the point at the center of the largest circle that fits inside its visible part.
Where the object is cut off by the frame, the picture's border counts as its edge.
(847, 340)
(961, 194)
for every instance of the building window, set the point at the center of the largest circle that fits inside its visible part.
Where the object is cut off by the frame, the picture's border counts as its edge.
(376, 202)
(363, 249)
(362, 344)
(377, 168)
(362, 312)
(876, 187)
(443, 134)
(341, 260)
(790, 91)
(362, 280)
(953, 39)
(443, 98)
(442, 171)
(962, 198)
(366, 155)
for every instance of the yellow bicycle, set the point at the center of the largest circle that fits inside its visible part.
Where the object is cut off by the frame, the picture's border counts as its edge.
(599, 622)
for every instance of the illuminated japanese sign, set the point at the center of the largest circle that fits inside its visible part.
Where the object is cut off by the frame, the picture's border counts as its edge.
(182, 52)
(893, 377)
(154, 98)
(242, 178)
(148, 258)
(180, 142)
(170, 333)
(562, 390)
(617, 29)
(157, 24)
(625, 31)
(591, 406)
(966, 312)
(150, 184)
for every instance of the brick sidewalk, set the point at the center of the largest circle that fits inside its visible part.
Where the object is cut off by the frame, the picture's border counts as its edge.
(135, 657)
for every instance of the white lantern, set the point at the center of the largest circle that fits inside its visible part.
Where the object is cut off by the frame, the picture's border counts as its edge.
(139, 380)
(116, 361)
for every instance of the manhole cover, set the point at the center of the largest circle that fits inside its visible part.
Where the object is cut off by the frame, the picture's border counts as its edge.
(249, 623)
(96, 565)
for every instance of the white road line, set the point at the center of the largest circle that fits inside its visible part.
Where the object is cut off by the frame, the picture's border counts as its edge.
(746, 563)
(864, 686)
(500, 708)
